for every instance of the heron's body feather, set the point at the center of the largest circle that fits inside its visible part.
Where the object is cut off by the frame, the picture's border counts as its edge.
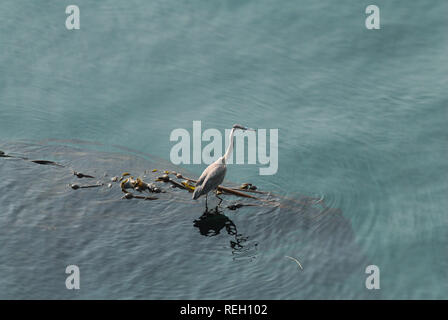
(211, 178)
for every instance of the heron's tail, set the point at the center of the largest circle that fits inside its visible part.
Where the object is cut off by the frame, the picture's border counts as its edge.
(197, 192)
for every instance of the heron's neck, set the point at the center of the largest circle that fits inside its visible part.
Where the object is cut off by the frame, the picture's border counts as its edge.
(230, 147)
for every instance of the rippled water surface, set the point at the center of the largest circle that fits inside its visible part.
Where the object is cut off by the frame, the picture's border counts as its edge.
(362, 125)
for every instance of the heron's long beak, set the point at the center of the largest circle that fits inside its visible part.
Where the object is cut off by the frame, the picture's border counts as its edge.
(248, 129)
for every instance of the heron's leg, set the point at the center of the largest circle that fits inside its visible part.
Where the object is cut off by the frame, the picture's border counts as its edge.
(220, 199)
(206, 207)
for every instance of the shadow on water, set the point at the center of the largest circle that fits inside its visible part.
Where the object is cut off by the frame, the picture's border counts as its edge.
(305, 228)
(213, 221)
(322, 238)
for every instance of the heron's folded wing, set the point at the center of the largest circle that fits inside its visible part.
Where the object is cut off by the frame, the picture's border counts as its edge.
(201, 178)
(213, 178)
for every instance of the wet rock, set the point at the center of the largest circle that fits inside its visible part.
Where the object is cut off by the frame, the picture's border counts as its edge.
(164, 178)
(46, 162)
(81, 175)
(235, 206)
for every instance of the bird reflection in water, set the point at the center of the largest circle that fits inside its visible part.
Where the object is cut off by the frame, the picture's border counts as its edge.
(212, 222)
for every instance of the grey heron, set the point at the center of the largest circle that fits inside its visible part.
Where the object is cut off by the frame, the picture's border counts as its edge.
(214, 174)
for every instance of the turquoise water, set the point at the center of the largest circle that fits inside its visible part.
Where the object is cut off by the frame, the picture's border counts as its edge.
(362, 123)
